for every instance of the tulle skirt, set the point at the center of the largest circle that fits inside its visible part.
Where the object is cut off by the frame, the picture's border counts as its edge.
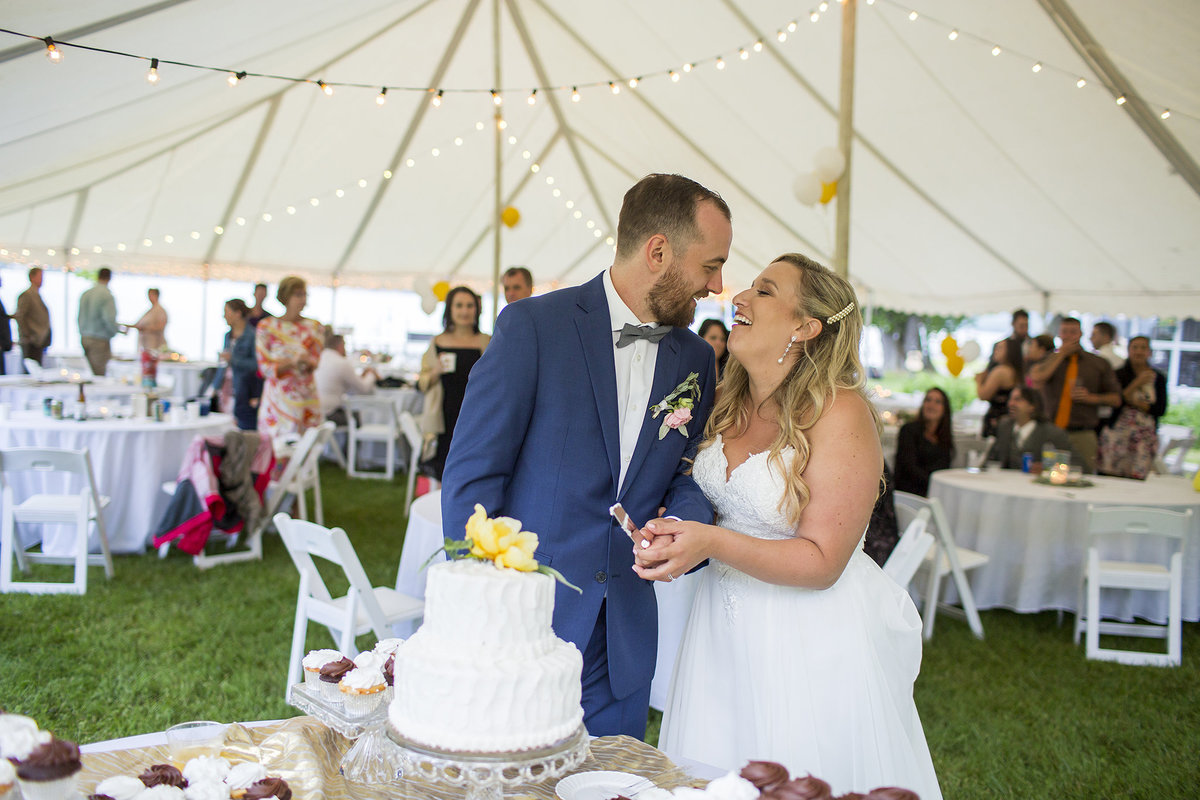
(820, 681)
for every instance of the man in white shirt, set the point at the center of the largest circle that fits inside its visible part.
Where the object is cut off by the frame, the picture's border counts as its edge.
(336, 377)
(1026, 430)
(1104, 339)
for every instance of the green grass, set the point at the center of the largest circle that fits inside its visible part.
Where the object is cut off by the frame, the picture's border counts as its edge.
(1019, 715)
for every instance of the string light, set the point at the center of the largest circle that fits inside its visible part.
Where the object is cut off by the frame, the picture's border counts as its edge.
(720, 63)
(1079, 84)
(53, 52)
(326, 88)
(781, 36)
(742, 54)
(532, 99)
(633, 82)
(1121, 100)
(615, 87)
(1037, 67)
(688, 67)
(792, 26)
(674, 76)
(953, 35)
(823, 7)
(814, 16)
(381, 98)
(152, 73)
(1166, 114)
(235, 78)
(996, 50)
(496, 98)
(436, 102)
(912, 16)
(574, 97)
(758, 46)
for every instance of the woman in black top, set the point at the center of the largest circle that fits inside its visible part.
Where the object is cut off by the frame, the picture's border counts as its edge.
(716, 334)
(925, 444)
(997, 383)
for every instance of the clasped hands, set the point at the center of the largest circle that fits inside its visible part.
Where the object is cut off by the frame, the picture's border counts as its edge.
(666, 549)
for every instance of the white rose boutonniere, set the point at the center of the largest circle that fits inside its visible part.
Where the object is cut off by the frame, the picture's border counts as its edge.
(678, 406)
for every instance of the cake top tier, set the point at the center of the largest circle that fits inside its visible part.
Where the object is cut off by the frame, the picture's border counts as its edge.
(475, 601)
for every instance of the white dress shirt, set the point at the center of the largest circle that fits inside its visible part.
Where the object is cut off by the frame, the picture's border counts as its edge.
(635, 373)
(335, 378)
(1022, 433)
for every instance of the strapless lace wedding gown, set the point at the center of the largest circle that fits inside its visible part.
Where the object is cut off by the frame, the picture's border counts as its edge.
(820, 681)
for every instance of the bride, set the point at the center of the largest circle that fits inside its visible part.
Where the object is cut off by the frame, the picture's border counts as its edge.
(798, 648)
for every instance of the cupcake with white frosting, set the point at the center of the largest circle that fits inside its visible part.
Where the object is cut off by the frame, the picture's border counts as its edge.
(362, 689)
(313, 662)
(8, 778)
(120, 787)
(242, 776)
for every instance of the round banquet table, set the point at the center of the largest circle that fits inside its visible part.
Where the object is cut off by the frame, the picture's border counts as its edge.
(424, 536)
(131, 459)
(1036, 538)
(22, 392)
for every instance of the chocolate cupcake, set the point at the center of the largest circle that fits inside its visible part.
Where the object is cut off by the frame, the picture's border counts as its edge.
(49, 772)
(269, 787)
(892, 793)
(765, 775)
(806, 788)
(331, 675)
(163, 774)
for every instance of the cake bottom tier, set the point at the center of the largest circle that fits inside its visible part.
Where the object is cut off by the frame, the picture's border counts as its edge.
(485, 702)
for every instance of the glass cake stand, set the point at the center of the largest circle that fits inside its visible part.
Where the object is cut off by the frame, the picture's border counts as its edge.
(372, 758)
(485, 776)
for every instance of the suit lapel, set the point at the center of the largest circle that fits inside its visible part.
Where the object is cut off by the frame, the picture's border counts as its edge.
(666, 369)
(595, 336)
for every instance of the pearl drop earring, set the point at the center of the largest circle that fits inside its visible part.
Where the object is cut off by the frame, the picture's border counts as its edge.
(787, 349)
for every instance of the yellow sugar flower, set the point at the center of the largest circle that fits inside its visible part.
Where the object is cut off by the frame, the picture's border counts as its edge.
(501, 541)
(516, 551)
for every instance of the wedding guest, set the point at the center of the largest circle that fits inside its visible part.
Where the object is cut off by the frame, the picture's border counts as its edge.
(1037, 349)
(716, 334)
(257, 312)
(336, 378)
(1075, 384)
(98, 322)
(995, 384)
(445, 368)
(33, 319)
(1104, 343)
(924, 445)
(1127, 448)
(289, 349)
(1026, 430)
(240, 366)
(152, 326)
(518, 284)
(6, 340)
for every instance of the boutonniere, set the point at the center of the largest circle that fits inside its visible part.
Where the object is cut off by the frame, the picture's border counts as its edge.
(678, 405)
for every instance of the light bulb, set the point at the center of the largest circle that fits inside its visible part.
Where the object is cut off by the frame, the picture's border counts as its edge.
(616, 89)
(952, 35)
(781, 36)
(574, 95)
(532, 99)
(325, 87)
(633, 82)
(194, 234)
(674, 76)
(743, 55)
(53, 51)
(792, 26)
(814, 16)
(1166, 114)
(687, 67)
(381, 98)
(169, 239)
(823, 7)
(1079, 84)
(758, 46)
(496, 98)
(218, 230)
(152, 73)
(912, 16)
(720, 63)
(1037, 67)
(1121, 100)
(266, 217)
(996, 50)
(436, 102)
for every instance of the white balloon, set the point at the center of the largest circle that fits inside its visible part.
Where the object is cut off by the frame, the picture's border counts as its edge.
(969, 350)
(428, 302)
(829, 164)
(807, 188)
(914, 361)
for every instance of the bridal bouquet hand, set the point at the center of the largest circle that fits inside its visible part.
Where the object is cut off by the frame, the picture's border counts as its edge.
(677, 547)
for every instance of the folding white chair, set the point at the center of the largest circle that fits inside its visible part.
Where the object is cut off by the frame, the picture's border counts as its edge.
(363, 609)
(1174, 442)
(32, 367)
(946, 558)
(1133, 521)
(80, 510)
(908, 554)
(371, 419)
(412, 434)
(298, 476)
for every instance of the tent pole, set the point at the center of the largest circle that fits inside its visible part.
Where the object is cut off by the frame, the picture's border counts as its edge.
(496, 199)
(841, 248)
(204, 314)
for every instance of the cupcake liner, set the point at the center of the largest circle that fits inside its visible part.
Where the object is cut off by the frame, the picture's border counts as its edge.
(330, 692)
(61, 789)
(6, 791)
(312, 677)
(361, 704)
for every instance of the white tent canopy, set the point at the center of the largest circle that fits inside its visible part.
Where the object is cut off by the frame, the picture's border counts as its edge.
(977, 184)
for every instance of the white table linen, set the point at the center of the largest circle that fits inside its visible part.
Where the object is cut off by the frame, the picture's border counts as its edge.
(22, 392)
(131, 460)
(1036, 538)
(424, 536)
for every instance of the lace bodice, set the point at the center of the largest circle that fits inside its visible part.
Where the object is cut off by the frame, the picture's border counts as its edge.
(749, 501)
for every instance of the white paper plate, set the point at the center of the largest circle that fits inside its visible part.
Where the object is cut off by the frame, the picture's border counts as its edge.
(598, 785)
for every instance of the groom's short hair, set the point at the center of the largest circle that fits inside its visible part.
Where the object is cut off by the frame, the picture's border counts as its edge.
(665, 204)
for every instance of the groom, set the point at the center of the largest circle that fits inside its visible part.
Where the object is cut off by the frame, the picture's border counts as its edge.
(556, 427)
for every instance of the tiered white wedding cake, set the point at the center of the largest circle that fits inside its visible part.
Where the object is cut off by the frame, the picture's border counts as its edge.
(485, 672)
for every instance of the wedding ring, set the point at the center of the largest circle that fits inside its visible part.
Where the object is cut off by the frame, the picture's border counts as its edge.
(670, 577)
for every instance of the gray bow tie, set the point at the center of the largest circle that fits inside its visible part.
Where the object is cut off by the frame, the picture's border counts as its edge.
(631, 333)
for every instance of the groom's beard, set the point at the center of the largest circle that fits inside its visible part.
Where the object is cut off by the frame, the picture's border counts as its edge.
(670, 300)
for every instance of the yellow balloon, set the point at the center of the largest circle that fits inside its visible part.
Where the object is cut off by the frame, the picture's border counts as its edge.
(955, 364)
(510, 216)
(828, 190)
(949, 347)
(440, 290)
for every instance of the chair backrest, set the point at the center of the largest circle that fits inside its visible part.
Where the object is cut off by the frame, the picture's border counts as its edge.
(412, 431)
(381, 407)
(1139, 521)
(914, 543)
(938, 521)
(301, 462)
(47, 459)
(304, 540)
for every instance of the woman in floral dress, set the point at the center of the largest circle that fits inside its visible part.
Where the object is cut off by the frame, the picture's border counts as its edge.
(289, 348)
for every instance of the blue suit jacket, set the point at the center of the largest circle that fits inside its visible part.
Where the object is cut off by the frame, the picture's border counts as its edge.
(538, 439)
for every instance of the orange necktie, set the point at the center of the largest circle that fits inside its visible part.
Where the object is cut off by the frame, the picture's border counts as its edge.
(1064, 401)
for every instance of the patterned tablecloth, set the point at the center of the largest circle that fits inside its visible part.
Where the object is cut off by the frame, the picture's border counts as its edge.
(306, 754)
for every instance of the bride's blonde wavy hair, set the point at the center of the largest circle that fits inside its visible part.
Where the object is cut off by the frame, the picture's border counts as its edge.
(827, 363)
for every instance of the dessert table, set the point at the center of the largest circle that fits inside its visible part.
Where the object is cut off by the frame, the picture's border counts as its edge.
(131, 459)
(1036, 538)
(424, 536)
(306, 754)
